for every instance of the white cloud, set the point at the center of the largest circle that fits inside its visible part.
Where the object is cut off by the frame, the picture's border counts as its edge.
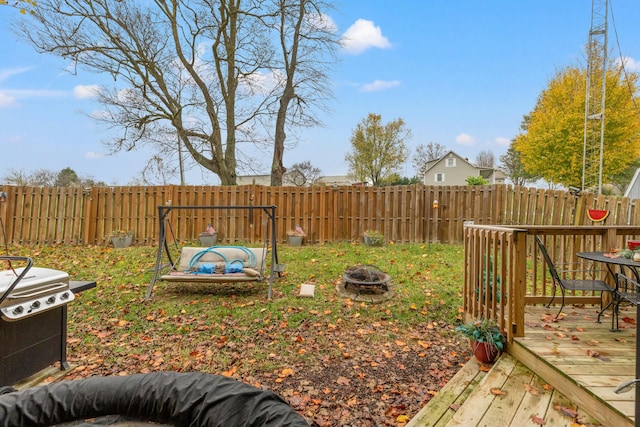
(86, 91)
(320, 21)
(503, 141)
(466, 140)
(379, 85)
(8, 72)
(6, 100)
(630, 64)
(362, 35)
(93, 155)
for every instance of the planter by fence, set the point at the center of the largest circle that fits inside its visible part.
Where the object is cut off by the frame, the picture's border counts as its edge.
(123, 241)
(208, 240)
(295, 240)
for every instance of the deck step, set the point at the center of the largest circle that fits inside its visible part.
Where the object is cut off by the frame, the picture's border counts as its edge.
(440, 409)
(509, 394)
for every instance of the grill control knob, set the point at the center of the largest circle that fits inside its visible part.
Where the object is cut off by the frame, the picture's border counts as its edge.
(51, 299)
(35, 304)
(18, 310)
(64, 296)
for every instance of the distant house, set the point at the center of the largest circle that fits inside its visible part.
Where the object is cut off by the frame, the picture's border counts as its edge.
(254, 180)
(452, 169)
(288, 180)
(633, 190)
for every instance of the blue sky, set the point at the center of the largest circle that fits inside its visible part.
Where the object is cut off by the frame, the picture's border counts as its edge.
(459, 73)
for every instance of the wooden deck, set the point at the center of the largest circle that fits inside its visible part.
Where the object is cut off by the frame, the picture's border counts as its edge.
(560, 373)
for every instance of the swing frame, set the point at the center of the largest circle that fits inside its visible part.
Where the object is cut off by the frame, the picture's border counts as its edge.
(163, 244)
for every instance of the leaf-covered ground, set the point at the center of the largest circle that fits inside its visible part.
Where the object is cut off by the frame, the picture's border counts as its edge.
(336, 361)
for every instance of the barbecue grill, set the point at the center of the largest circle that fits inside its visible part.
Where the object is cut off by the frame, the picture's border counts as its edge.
(33, 319)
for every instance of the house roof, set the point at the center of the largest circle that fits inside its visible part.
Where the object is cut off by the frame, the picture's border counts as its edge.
(433, 163)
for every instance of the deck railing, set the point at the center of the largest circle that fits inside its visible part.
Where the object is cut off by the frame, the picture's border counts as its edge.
(504, 270)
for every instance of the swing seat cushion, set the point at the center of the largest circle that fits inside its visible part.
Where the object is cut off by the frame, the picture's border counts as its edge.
(252, 265)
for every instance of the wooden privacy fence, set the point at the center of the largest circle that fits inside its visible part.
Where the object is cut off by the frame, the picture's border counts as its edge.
(327, 213)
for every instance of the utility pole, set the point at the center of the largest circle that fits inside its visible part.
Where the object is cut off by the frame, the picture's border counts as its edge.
(595, 98)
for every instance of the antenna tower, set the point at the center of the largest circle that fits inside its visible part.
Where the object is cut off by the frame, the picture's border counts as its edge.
(594, 101)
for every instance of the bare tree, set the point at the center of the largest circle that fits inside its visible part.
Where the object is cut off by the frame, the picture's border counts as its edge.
(307, 40)
(204, 68)
(425, 154)
(485, 158)
(302, 174)
(66, 177)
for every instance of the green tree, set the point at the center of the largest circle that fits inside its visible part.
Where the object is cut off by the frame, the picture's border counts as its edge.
(514, 169)
(552, 141)
(476, 180)
(395, 179)
(378, 150)
(67, 177)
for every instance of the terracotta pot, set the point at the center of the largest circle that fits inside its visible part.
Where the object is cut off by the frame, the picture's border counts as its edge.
(484, 352)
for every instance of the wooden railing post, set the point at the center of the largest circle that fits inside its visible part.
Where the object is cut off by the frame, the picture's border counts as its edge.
(518, 285)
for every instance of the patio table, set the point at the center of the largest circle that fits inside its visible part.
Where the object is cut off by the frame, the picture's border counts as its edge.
(623, 263)
(611, 261)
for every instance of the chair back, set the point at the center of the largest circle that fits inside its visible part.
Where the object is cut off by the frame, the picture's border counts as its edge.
(547, 260)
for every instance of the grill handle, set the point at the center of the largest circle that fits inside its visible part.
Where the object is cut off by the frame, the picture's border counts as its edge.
(48, 289)
(29, 262)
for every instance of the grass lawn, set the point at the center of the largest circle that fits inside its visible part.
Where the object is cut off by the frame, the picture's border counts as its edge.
(336, 361)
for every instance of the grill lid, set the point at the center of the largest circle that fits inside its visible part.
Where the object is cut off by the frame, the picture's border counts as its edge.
(26, 291)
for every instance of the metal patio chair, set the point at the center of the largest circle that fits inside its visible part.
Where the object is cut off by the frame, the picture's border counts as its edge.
(628, 290)
(567, 284)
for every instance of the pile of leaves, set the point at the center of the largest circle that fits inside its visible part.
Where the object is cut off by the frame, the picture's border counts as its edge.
(336, 361)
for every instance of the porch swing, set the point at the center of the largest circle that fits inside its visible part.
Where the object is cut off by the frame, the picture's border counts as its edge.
(215, 264)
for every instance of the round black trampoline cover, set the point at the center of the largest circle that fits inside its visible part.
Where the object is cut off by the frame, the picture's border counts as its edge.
(166, 398)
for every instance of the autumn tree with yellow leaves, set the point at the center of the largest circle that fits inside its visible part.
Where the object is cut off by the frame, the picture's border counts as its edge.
(552, 141)
(22, 5)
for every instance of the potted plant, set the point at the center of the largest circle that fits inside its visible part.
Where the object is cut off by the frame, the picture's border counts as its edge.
(485, 337)
(121, 238)
(373, 238)
(209, 237)
(296, 235)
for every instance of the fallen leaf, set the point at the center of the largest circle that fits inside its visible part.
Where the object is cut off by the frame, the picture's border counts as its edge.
(536, 419)
(629, 320)
(572, 413)
(402, 418)
(454, 406)
(531, 389)
(343, 381)
(497, 392)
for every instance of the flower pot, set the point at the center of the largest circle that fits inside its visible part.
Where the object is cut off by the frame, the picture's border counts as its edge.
(484, 352)
(373, 240)
(123, 241)
(208, 240)
(295, 240)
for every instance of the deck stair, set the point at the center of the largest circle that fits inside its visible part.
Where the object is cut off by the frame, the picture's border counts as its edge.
(505, 394)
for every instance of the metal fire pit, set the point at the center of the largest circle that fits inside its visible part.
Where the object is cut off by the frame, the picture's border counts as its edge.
(365, 283)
